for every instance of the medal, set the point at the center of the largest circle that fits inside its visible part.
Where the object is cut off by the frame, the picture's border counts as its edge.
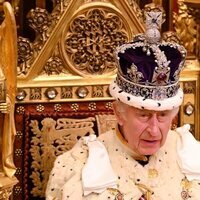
(142, 197)
(186, 185)
(119, 196)
(117, 193)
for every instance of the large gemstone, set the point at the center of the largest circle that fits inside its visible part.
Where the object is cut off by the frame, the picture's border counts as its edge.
(161, 77)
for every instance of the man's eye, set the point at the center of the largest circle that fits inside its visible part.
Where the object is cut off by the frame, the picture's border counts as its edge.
(144, 115)
(162, 114)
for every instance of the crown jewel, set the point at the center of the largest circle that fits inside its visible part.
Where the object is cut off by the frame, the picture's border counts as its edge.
(150, 66)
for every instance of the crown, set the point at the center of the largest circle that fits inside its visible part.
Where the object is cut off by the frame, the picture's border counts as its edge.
(149, 66)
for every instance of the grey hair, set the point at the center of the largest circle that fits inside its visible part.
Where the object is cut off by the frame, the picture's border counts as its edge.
(175, 112)
(121, 107)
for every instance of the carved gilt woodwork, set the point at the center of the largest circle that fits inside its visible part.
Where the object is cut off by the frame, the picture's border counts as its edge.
(8, 65)
(6, 187)
(190, 82)
(74, 43)
(65, 71)
(187, 26)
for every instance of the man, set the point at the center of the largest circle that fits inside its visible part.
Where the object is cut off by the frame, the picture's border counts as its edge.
(143, 159)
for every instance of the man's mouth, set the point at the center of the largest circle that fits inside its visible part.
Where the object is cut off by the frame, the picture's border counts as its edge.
(151, 141)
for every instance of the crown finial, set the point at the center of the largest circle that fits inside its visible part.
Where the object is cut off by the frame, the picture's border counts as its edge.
(153, 16)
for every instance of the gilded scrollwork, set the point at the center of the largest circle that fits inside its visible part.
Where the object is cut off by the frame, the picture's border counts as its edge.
(97, 91)
(194, 10)
(54, 66)
(42, 23)
(63, 93)
(35, 93)
(40, 20)
(189, 87)
(61, 3)
(25, 53)
(66, 92)
(54, 50)
(5, 194)
(170, 36)
(134, 5)
(59, 8)
(185, 26)
(91, 39)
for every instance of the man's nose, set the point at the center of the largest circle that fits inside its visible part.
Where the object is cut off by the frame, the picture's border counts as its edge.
(153, 125)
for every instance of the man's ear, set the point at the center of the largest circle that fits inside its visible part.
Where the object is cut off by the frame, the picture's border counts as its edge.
(118, 113)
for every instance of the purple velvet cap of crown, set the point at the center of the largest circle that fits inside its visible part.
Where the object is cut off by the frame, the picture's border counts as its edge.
(146, 64)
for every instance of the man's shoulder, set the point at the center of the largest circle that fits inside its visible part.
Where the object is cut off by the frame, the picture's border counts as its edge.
(174, 138)
(80, 148)
(77, 153)
(186, 149)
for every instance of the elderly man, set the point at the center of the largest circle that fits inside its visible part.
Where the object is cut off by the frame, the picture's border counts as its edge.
(143, 159)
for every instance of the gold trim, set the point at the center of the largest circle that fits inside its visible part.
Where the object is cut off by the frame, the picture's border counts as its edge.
(145, 190)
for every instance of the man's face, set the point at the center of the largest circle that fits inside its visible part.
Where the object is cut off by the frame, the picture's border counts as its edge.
(145, 130)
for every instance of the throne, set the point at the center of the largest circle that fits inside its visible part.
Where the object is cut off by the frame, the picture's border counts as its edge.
(63, 75)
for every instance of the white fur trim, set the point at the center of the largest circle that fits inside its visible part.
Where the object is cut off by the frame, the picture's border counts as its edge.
(149, 104)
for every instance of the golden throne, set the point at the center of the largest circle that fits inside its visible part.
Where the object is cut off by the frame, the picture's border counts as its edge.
(63, 74)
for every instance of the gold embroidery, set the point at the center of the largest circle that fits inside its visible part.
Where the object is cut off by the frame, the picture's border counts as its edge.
(145, 190)
(186, 185)
(118, 195)
(152, 173)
